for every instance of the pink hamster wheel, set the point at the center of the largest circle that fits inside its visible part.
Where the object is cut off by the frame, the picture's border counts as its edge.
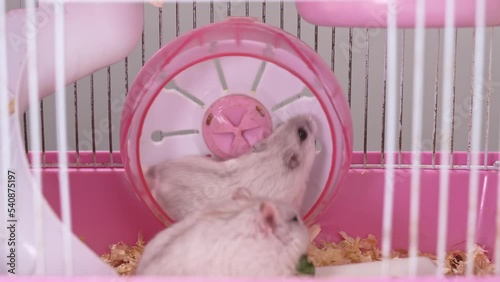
(221, 88)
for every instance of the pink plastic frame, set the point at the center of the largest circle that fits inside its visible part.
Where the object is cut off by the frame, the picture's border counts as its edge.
(373, 13)
(184, 52)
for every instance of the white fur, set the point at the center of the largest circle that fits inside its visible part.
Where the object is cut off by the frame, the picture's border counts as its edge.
(230, 239)
(188, 184)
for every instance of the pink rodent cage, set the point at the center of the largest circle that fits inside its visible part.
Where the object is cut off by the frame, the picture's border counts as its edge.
(403, 91)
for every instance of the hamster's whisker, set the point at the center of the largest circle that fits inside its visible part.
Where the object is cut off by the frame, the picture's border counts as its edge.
(289, 114)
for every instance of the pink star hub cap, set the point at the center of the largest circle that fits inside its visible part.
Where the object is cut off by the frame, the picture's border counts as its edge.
(234, 124)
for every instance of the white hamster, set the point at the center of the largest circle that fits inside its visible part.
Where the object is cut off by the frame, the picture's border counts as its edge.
(278, 168)
(245, 236)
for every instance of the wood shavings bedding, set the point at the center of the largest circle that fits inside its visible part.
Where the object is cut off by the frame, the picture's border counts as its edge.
(124, 258)
(455, 263)
(349, 250)
(356, 250)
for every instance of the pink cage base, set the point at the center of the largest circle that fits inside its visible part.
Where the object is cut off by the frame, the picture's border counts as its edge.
(106, 209)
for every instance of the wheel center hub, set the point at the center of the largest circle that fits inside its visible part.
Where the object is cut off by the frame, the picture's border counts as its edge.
(233, 124)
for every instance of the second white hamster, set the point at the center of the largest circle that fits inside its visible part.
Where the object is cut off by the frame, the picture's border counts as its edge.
(245, 236)
(278, 168)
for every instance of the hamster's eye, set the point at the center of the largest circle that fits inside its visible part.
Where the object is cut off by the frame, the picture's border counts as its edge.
(302, 134)
(295, 219)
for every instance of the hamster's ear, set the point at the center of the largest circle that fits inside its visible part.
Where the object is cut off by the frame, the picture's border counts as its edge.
(313, 126)
(291, 159)
(241, 193)
(259, 147)
(151, 171)
(268, 216)
(149, 175)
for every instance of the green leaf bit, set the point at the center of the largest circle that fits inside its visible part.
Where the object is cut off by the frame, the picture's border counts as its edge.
(305, 267)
